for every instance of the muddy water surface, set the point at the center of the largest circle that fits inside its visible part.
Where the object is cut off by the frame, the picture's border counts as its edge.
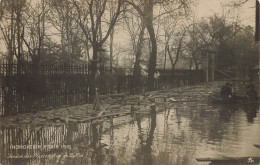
(167, 134)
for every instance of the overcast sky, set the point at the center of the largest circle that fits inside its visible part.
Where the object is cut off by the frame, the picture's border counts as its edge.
(209, 7)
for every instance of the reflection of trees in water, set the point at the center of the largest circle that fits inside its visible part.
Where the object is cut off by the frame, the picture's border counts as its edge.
(177, 146)
(143, 154)
(207, 125)
(211, 122)
(149, 140)
(251, 111)
(111, 136)
(87, 139)
(83, 138)
(201, 124)
(166, 123)
(174, 143)
(12, 137)
(227, 111)
(99, 151)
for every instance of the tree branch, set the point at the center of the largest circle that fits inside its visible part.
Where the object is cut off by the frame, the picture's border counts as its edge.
(138, 9)
(113, 22)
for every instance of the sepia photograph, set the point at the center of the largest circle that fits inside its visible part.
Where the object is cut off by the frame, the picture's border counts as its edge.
(129, 82)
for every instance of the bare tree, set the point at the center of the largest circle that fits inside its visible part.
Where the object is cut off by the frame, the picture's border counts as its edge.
(173, 38)
(145, 9)
(135, 27)
(200, 38)
(63, 15)
(111, 37)
(11, 28)
(193, 46)
(177, 49)
(94, 10)
(34, 31)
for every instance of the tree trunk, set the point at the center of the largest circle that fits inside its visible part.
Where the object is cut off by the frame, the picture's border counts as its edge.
(169, 53)
(147, 148)
(92, 80)
(11, 45)
(137, 75)
(152, 57)
(111, 82)
(190, 64)
(195, 62)
(111, 49)
(165, 55)
(196, 66)
(111, 43)
(19, 45)
(178, 51)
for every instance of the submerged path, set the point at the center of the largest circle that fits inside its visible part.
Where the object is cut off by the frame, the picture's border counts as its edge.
(169, 127)
(112, 106)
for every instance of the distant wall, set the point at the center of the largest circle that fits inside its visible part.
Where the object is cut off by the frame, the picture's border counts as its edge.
(180, 77)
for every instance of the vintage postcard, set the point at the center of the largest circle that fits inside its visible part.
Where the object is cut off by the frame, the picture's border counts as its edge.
(129, 82)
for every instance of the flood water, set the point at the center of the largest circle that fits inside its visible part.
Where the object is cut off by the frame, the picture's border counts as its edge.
(173, 134)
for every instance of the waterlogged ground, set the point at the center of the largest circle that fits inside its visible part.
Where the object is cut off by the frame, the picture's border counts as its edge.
(167, 127)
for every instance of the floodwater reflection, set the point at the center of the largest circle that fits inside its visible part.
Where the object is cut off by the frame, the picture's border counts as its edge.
(174, 135)
(251, 111)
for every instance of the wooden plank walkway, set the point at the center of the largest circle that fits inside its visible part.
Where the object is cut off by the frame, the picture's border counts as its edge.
(231, 160)
(257, 145)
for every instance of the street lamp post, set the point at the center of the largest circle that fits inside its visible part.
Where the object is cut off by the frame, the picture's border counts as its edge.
(207, 79)
(213, 67)
(207, 51)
